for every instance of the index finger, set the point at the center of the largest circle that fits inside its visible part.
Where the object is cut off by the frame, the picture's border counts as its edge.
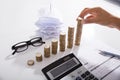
(88, 11)
(84, 12)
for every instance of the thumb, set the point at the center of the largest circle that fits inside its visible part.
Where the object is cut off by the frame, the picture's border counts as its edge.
(90, 19)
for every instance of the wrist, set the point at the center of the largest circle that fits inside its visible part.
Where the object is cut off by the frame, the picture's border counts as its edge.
(118, 23)
(115, 22)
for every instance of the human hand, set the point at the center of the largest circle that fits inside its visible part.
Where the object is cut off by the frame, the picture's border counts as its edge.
(96, 15)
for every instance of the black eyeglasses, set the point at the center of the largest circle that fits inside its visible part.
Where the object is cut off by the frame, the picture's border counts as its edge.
(22, 46)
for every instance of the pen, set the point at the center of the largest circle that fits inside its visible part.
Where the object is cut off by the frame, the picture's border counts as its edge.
(105, 53)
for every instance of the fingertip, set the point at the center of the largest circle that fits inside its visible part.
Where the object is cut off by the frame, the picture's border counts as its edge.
(80, 18)
(76, 19)
(84, 12)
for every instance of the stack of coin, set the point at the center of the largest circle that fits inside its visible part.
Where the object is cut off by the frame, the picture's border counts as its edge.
(70, 37)
(47, 51)
(30, 62)
(78, 32)
(54, 46)
(38, 57)
(62, 40)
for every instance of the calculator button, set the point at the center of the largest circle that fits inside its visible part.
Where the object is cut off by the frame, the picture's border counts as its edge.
(88, 78)
(78, 78)
(79, 72)
(87, 72)
(72, 76)
(83, 75)
(91, 76)
(95, 79)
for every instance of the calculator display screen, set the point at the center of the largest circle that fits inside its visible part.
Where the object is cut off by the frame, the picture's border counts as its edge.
(63, 68)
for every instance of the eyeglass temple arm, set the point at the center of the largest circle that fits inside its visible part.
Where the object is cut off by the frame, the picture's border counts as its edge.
(43, 42)
(13, 52)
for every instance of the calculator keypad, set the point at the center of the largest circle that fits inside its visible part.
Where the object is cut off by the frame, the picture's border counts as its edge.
(86, 76)
(80, 73)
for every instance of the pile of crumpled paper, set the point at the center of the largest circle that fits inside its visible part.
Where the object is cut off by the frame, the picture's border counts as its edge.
(49, 27)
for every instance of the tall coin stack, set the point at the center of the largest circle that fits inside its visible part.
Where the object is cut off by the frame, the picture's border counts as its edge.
(70, 37)
(54, 46)
(78, 32)
(47, 51)
(62, 40)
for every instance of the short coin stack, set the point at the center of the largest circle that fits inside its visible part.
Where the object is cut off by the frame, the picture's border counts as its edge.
(62, 40)
(47, 51)
(78, 32)
(70, 37)
(54, 46)
(38, 57)
(30, 62)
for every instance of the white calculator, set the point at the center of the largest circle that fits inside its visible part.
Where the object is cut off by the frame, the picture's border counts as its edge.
(67, 68)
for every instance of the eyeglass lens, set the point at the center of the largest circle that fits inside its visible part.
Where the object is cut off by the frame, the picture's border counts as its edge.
(21, 47)
(36, 42)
